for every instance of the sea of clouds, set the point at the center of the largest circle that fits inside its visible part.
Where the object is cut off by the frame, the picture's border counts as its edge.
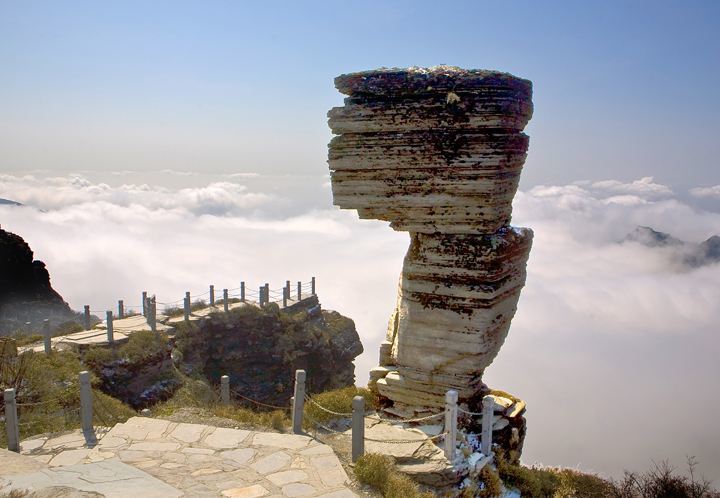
(615, 346)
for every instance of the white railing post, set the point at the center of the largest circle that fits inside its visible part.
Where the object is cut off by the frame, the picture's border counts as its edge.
(451, 398)
(11, 421)
(46, 336)
(242, 291)
(226, 305)
(298, 402)
(152, 312)
(358, 427)
(312, 286)
(86, 317)
(488, 413)
(121, 309)
(299, 291)
(109, 320)
(186, 306)
(225, 389)
(86, 408)
(212, 295)
(144, 303)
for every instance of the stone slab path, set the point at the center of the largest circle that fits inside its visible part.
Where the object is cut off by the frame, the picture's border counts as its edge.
(151, 457)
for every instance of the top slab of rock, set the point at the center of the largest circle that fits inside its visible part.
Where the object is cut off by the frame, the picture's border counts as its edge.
(419, 80)
(430, 150)
(438, 98)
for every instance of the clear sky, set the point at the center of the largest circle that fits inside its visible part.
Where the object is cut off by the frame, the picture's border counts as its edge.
(623, 89)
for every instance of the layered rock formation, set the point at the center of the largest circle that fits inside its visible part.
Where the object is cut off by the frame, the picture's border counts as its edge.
(438, 153)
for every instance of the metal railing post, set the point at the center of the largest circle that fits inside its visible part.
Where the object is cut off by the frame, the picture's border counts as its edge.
(225, 389)
(86, 317)
(144, 303)
(86, 408)
(46, 336)
(109, 321)
(312, 286)
(242, 291)
(299, 291)
(11, 421)
(285, 297)
(212, 295)
(186, 306)
(226, 305)
(121, 309)
(488, 413)
(358, 427)
(298, 402)
(267, 293)
(152, 311)
(451, 398)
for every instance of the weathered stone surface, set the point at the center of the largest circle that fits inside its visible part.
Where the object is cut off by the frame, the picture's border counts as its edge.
(174, 459)
(13, 463)
(438, 152)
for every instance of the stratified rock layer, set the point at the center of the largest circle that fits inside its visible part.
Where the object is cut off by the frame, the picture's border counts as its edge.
(438, 152)
(430, 150)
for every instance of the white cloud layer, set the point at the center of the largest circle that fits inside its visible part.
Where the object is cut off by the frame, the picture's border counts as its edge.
(712, 192)
(614, 346)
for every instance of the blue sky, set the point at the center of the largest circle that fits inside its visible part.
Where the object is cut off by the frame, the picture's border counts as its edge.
(623, 89)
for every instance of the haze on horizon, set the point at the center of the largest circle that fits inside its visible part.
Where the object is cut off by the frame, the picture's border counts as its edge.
(171, 145)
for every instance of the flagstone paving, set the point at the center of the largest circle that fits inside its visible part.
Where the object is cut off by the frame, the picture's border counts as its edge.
(166, 458)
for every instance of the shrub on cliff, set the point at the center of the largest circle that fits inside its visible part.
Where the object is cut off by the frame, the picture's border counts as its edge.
(141, 346)
(661, 481)
(260, 349)
(338, 401)
(48, 394)
(139, 372)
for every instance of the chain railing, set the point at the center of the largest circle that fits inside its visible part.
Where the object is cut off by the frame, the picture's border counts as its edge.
(187, 306)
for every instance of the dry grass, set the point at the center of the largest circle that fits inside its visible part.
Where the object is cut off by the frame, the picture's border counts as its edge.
(380, 472)
(48, 394)
(337, 400)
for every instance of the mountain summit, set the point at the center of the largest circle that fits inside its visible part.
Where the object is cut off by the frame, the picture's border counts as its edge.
(690, 254)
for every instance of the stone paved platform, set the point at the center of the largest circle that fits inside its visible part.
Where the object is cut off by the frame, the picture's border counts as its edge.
(178, 459)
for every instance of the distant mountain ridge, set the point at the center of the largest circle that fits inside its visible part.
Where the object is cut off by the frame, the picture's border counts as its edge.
(691, 254)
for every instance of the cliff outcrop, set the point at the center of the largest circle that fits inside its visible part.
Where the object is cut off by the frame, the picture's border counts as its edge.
(260, 349)
(26, 294)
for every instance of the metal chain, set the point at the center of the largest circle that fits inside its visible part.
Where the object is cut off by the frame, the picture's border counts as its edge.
(408, 420)
(308, 398)
(406, 441)
(475, 414)
(260, 403)
(39, 403)
(325, 427)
